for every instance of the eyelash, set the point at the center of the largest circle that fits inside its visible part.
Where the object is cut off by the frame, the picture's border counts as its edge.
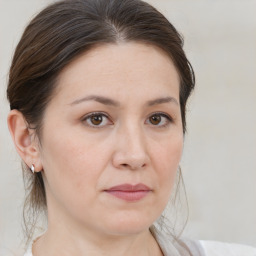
(168, 118)
(88, 116)
(104, 115)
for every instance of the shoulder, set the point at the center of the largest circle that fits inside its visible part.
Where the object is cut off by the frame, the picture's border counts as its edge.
(213, 248)
(29, 248)
(183, 246)
(29, 251)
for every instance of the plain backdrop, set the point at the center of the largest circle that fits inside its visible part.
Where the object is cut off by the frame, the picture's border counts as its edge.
(219, 161)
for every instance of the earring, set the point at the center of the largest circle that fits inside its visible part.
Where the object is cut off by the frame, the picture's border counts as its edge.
(32, 168)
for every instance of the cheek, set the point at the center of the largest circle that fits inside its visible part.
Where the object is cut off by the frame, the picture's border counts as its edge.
(73, 168)
(166, 160)
(73, 164)
(73, 151)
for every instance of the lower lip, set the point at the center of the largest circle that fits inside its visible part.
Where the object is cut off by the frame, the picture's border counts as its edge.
(130, 196)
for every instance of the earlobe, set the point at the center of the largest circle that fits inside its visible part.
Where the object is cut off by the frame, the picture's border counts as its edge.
(23, 139)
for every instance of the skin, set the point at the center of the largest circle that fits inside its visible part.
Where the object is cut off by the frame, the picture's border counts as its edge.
(130, 144)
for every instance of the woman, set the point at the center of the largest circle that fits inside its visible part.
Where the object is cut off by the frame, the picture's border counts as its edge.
(98, 92)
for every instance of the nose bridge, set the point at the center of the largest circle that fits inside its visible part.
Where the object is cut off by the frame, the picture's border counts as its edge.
(133, 138)
(131, 148)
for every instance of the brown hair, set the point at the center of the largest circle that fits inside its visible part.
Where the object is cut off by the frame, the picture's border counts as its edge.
(65, 30)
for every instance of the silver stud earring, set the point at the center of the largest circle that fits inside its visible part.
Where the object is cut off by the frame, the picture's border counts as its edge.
(32, 168)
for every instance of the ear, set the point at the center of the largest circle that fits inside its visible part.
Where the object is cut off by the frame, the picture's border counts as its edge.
(24, 139)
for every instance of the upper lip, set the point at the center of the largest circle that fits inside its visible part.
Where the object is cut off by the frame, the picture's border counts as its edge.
(129, 187)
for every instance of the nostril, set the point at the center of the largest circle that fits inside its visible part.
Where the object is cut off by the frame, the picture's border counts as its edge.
(123, 160)
(133, 166)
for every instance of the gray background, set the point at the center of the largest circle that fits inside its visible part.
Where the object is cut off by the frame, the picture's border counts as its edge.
(219, 163)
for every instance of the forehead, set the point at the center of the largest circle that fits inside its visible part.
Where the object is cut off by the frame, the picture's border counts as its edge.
(115, 68)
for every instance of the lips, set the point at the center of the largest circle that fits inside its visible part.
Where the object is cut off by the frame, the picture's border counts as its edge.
(129, 192)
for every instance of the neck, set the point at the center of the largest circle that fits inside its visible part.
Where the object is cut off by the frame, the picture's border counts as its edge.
(54, 243)
(74, 239)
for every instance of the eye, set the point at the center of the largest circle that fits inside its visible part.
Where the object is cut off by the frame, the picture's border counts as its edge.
(96, 120)
(159, 119)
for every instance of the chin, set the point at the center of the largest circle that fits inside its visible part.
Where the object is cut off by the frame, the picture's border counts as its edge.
(129, 224)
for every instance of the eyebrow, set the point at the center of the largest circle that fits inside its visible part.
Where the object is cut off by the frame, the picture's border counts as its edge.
(162, 100)
(100, 99)
(111, 102)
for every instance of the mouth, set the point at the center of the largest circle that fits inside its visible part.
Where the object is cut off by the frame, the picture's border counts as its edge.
(129, 192)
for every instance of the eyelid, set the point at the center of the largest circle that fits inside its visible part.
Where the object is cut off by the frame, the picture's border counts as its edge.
(93, 113)
(160, 113)
(163, 114)
(100, 113)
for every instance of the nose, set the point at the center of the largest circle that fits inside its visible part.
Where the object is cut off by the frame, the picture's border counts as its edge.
(131, 149)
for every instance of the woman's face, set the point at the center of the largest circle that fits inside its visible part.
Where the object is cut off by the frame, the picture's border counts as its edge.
(112, 139)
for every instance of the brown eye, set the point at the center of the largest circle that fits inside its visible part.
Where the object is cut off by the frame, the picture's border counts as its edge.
(96, 119)
(159, 120)
(155, 119)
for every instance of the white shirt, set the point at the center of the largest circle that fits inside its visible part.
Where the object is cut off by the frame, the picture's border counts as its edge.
(212, 248)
